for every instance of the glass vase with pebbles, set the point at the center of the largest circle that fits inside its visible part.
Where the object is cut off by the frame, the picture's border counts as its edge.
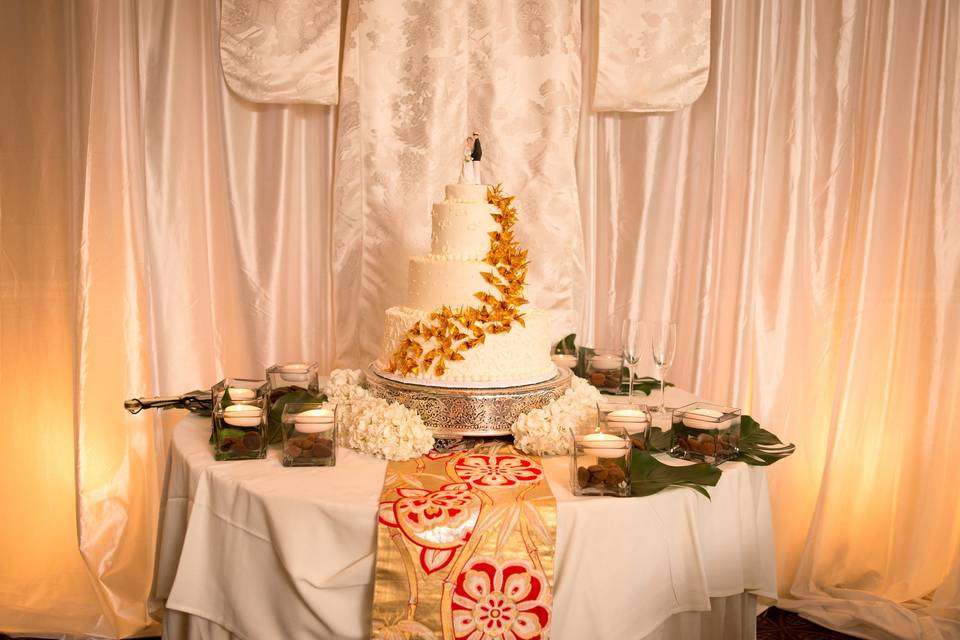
(289, 382)
(600, 461)
(239, 428)
(633, 417)
(604, 368)
(240, 389)
(707, 432)
(310, 434)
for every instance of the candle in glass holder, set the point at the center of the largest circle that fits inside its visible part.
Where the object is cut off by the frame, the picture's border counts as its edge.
(633, 420)
(242, 415)
(605, 362)
(241, 393)
(604, 445)
(704, 418)
(565, 360)
(314, 420)
(295, 371)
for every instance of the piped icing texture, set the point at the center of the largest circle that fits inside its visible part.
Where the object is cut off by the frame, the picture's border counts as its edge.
(521, 354)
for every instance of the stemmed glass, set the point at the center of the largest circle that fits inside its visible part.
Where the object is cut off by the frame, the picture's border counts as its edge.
(631, 346)
(663, 347)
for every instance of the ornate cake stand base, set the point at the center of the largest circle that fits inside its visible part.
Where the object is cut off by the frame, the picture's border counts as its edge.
(469, 412)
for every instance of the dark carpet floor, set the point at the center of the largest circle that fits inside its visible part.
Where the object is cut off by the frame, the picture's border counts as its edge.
(777, 624)
(773, 624)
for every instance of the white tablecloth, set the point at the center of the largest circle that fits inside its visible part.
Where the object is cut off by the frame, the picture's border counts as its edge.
(254, 550)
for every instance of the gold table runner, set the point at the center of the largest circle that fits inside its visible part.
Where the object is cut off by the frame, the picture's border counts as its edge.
(465, 547)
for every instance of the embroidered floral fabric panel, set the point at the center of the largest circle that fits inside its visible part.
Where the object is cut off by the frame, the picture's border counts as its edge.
(465, 547)
(281, 50)
(653, 55)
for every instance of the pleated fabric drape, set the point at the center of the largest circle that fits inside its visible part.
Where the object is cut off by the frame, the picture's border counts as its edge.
(197, 233)
(801, 221)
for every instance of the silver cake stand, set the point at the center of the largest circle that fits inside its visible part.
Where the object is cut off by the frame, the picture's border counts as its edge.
(468, 412)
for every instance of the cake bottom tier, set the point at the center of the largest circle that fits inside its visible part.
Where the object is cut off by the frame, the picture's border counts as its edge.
(521, 354)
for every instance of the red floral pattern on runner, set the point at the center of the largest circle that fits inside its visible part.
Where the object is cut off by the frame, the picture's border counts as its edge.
(508, 601)
(439, 522)
(492, 471)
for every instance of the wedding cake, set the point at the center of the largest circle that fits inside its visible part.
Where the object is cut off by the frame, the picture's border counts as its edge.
(465, 322)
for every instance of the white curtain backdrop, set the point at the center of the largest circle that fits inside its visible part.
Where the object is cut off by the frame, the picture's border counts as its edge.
(801, 221)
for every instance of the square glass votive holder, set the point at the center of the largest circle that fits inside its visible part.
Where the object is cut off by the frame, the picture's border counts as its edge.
(290, 376)
(239, 428)
(707, 432)
(661, 434)
(604, 368)
(632, 416)
(297, 380)
(240, 389)
(310, 434)
(600, 462)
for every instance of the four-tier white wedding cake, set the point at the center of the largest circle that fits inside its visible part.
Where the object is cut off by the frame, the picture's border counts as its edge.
(466, 322)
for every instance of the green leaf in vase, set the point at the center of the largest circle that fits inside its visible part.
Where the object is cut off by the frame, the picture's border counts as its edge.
(232, 433)
(274, 419)
(649, 476)
(583, 356)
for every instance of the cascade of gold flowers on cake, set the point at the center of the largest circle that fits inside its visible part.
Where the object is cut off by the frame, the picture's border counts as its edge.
(450, 332)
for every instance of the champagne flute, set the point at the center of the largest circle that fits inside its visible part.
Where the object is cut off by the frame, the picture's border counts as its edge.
(663, 347)
(631, 346)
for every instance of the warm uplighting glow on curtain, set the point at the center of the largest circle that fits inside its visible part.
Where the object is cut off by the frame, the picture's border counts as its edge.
(800, 221)
(44, 585)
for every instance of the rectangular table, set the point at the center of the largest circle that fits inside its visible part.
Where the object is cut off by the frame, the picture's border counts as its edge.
(251, 549)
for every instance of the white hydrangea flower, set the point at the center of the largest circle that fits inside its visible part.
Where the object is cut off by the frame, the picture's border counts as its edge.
(345, 385)
(390, 431)
(546, 431)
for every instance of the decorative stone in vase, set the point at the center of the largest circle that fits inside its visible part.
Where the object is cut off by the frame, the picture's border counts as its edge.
(707, 432)
(600, 462)
(604, 369)
(310, 434)
(239, 428)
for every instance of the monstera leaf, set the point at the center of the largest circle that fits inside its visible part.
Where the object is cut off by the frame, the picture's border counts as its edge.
(758, 446)
(649, 476)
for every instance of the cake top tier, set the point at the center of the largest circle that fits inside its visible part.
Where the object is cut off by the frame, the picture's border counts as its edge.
(466, 193)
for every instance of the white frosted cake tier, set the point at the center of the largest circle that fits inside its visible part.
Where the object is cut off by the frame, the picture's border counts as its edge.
(461, 230)
(519, 356)
(434, 282)
(466, 192)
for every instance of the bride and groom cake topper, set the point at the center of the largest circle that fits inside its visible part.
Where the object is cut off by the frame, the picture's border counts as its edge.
(470, 172)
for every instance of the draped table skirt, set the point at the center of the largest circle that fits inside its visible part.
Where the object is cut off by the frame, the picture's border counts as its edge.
(253, 550)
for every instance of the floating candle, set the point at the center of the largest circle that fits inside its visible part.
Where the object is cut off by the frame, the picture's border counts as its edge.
(314, 420)
(241, 393)
(605, 362)
(604, 445)
(710, 418)
(242, 415)
(564, 360)
(294, 371)
(632, 420)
